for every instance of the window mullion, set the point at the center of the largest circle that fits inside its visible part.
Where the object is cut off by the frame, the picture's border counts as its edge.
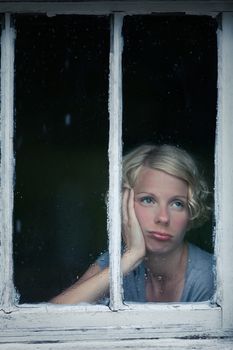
(7, 161)
(224, 170)
(115, 157)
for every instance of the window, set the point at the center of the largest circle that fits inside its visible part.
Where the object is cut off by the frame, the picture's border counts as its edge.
(61, 99)
(68, 323)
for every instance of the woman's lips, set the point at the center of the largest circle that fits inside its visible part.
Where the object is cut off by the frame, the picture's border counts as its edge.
(160, 236)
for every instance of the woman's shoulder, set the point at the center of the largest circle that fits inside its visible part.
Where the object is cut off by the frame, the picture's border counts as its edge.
(199, 257)
(103, 260)
(199, 284)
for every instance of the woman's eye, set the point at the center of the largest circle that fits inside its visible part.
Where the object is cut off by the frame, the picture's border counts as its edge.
(178, 204)
(147, 200)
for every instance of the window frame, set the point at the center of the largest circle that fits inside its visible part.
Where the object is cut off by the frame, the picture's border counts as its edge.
(131, 321)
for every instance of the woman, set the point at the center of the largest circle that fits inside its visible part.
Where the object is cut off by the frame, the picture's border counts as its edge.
(163, 197)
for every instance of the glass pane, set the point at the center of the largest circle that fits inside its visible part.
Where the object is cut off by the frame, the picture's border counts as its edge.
(169, 93)
(61, 141)
(1, 19)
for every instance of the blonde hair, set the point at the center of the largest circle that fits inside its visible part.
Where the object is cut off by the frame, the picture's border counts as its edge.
(174, 161)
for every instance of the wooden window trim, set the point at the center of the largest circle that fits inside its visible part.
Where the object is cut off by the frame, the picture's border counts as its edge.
(131, 321)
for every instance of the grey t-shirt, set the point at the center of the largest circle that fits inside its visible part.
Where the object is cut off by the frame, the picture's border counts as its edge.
(199, 278)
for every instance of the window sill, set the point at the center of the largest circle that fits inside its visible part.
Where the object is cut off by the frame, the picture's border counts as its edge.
(192, 324)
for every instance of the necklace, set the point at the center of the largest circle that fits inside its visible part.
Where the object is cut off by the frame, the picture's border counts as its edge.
(172, 284)
(158, 280)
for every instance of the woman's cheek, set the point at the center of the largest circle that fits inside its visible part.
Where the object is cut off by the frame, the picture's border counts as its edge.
(181, 222)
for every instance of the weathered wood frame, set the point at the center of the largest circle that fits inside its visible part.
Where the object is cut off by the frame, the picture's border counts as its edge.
(44, 321)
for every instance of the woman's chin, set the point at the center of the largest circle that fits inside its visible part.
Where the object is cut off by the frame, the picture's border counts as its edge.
(157, 248)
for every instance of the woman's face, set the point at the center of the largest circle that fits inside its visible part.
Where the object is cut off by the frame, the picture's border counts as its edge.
(161, 207)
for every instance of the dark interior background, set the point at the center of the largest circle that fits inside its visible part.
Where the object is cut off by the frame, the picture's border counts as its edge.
(61, 144)
(170, 91)
(61, 129)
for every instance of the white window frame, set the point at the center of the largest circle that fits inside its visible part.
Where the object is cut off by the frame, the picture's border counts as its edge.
(93, 323)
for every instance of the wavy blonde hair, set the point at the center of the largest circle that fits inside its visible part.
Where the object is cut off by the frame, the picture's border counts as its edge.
(174, 161)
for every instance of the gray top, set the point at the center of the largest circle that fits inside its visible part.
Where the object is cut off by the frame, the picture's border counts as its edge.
(199, 278)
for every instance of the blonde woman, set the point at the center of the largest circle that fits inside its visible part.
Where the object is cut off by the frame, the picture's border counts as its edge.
(163, 197)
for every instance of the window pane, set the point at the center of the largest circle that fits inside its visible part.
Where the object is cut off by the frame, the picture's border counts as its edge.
(61, 142)
(169, 90)
(0, 80)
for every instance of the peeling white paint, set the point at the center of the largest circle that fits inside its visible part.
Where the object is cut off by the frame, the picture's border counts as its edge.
(7, 163)
(206, 7)
(115, 151)
(136, 326)
(159, 344)
(224, 170)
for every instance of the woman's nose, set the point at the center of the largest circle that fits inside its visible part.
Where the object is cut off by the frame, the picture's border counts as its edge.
(162, 215)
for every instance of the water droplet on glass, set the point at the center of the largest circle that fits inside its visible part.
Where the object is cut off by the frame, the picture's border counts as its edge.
(44, 128)
(67, 63)
(67, 119)
(18, 226)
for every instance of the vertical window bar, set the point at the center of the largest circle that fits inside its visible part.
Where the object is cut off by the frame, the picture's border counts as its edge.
(224, 170)
(115, 157)
(7, 162)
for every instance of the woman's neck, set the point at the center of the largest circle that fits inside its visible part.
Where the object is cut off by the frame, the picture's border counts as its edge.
(167, 266)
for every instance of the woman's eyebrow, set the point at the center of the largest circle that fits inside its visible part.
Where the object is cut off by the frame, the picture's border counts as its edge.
(179, 196)
(146, 193)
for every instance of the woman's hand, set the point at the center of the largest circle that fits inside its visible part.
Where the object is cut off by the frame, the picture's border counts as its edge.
(95, 282)
(132, 234)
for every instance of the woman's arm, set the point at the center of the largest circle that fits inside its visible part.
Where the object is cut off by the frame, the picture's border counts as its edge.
(89, 288)
(95, 282)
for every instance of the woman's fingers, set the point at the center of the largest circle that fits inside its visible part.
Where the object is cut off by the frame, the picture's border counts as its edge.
(131, 203)
(125, 206)
(128, 206)
(132, 233)
(125, 216)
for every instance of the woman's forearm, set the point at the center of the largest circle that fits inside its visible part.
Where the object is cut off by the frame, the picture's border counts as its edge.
(88, 291)
(95, 287)
(130, 260)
